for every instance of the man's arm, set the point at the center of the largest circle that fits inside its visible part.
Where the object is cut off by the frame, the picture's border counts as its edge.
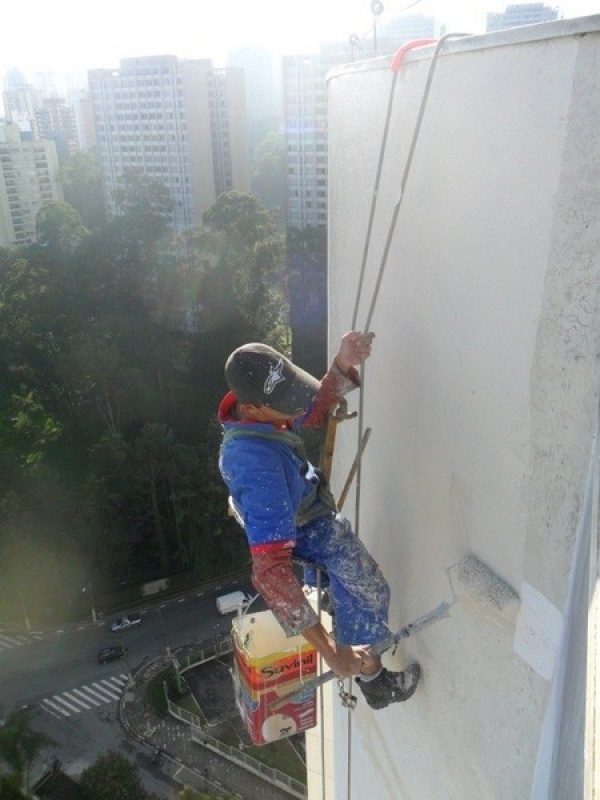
(342, 377)
(274, 578)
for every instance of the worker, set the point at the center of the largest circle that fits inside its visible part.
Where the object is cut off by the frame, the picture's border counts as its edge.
(287, 510)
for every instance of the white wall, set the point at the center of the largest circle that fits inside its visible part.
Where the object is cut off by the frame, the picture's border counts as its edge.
(482, 391)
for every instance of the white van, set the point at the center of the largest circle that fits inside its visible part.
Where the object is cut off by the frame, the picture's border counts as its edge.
(227, 603)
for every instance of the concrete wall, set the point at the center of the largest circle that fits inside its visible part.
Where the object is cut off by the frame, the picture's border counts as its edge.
(482, 392)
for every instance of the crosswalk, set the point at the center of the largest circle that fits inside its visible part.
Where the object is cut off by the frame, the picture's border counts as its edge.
(85, 698)
(10, 640)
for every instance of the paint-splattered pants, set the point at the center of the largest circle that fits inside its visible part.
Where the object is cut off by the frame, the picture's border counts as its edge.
(359, 590)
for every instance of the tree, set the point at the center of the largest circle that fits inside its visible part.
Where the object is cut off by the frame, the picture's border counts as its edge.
(110, 507)
(9, 789)
(269, 170)
(113, 777)
(59, 228)
(81, 179)
(20, 745)
(139, 193)
(247, 284)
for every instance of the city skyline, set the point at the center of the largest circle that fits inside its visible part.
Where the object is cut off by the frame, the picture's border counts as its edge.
(55, 44)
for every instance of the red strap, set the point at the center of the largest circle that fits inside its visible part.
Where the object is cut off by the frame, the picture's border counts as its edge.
(398, 57)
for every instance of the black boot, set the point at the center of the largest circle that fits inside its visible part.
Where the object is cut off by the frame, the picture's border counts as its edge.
(390, 687)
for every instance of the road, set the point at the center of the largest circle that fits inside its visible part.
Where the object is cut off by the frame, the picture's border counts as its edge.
(34, 668)
(75, 699)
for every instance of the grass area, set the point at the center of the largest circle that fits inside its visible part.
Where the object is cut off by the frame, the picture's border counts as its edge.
(281, 754)
(154, 693)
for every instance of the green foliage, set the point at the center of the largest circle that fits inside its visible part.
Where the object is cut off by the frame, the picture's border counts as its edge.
(164, 496)
(81, 180)
(154, 693)
(139, 193)
(111, 368)
(9, 790)
(113, 777)
(20, 745)
(59, 227)
(26, 429)
(247, 283)
(269, 167)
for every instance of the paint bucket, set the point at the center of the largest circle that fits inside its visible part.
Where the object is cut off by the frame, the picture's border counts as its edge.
(266, 666)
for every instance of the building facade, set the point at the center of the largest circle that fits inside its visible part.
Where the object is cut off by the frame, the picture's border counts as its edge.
(156, 115)
(483, 493)
(262, 72)
(55, 120)
(20, 103)
(228, 120)
(406, 27)
(84, 118)
(28, 180)
(305, 126)
(514, 16)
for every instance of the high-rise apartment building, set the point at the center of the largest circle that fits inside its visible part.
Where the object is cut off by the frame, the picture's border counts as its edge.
(84, 118)
(406, 27)
(56, 120)
(151, 115)
(20, 103)
(262, 76)
(305, 126)
(155, 115)
(28, 180)
(514, 16)
(228, 119)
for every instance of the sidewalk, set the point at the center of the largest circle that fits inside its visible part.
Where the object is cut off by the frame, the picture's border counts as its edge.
(186, 761)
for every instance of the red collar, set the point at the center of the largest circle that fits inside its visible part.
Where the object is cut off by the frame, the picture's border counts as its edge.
(226, 409)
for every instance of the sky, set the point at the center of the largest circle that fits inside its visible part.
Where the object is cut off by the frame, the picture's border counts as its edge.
(76, 35)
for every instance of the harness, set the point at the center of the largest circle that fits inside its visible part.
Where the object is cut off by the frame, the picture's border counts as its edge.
(319, 501)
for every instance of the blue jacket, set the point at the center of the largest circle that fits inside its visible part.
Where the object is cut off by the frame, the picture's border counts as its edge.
(274, 490)
(273, 487)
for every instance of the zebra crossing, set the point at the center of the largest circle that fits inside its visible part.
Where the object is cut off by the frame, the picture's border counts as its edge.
(10, 640)
(88, 697)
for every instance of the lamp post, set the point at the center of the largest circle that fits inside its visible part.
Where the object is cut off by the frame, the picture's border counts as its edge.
(164, 633)
(377, 10)
(92, 603)
(27, 623)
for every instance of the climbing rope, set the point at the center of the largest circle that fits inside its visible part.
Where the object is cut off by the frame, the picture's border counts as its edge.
(396, 65)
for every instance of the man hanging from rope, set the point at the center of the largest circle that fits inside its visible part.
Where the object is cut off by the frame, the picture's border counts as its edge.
(287, 510)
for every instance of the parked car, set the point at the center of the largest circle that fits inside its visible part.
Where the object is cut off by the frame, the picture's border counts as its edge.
(112, 653)
(126, 621)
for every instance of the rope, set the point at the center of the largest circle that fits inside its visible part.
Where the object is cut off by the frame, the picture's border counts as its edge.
(321, 699)
(396, 64)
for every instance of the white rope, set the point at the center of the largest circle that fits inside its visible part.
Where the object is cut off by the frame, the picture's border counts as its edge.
(382, 266)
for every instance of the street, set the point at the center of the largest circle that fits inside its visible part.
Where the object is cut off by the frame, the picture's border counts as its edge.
(74, 698)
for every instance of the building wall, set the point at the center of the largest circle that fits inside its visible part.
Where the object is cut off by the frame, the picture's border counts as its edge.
(84, 119)
(229, 126)
(482, 395)
(28, 180)
(520, 14)
(305, 126)
(198, 147)
(153, 115)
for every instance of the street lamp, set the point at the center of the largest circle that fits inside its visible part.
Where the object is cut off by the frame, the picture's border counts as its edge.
(376, 10)
(164, 633)
(27, 623)
(92, 603)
